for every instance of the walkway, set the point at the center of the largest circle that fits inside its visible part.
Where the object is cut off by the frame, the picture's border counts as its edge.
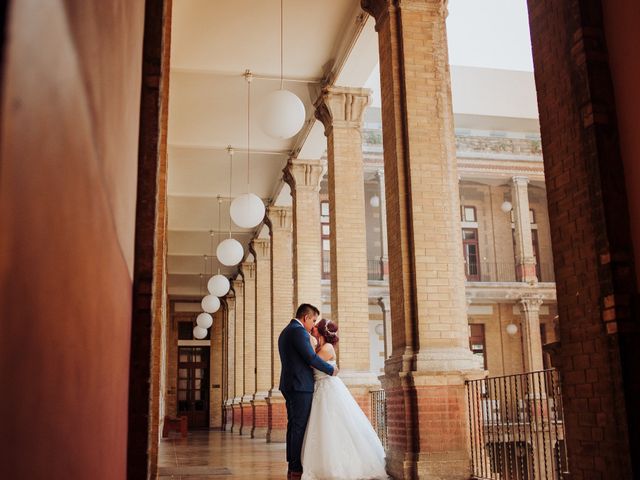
(215, 454)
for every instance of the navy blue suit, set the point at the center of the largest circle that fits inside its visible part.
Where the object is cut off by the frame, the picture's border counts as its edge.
(296, 384)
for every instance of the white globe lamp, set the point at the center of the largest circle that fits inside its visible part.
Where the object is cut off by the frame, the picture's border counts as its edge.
(210, 304)
(218, 285)
(204, 320)
(247, 210)
(374, 201)
(283, 114)
(199, 332)
(230, 252)
(506, 207)
(512, 329)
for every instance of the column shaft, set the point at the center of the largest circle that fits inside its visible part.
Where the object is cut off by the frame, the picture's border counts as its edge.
(282, 309)
(261, 249)
(525, 259)
(340, 110)
(231, 361)
(238, 355)
(249, 274)
(531, 339)
(424, 378)
(304, 176)
(384, 260)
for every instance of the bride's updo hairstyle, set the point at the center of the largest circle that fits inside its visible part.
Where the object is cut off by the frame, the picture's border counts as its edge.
(328, 330)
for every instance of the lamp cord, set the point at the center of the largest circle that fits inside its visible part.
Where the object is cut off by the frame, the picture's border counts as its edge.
(248, 134)
(281, 45)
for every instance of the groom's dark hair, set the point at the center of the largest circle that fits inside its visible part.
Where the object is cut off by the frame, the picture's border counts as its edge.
(306, 309)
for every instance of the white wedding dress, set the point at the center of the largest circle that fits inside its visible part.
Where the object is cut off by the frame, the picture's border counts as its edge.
(340, 443)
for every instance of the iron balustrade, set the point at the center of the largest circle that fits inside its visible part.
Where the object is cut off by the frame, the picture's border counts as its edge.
(516, 427)
(379, 415)
(504, 272)
(375, 269)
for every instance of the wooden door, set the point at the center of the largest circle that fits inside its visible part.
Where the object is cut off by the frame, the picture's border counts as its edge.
(193, 385)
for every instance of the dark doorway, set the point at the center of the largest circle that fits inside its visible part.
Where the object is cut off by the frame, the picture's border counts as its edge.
(193, 385)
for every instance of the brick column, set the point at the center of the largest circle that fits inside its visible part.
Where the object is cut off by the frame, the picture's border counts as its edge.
(248, 270)
(231, 361)
(424, 378)
(304, 176)
(282, 309)
(238, 355)
(340, 110)
(384, 258)
(261, 249)
(525, 259)
(215, 372)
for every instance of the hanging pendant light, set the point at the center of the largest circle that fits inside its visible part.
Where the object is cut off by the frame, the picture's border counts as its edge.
(218, 284)
(247, 211)
(283, 113)
(230, 251)
(204, 320)
(210, 304)
(199, 333)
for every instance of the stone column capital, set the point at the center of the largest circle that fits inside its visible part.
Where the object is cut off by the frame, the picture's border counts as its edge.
(261, 248)
(279, 218)
(238, 286)
(231, 301)
(379, 9)
(301, 173)
(248, 270)
(530, 303)
(341, 107)
(520, 180)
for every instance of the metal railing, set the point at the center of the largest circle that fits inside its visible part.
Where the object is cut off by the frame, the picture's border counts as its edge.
(517, 428)
(379, 415)
(375, 269)
(504, 272)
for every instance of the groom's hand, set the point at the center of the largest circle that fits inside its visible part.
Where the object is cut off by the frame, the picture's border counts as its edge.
(335, 371)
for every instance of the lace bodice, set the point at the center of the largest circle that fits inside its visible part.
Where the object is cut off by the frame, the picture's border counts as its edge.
(318, 375)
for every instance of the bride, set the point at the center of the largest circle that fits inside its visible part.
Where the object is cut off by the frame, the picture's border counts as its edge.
(339, 443)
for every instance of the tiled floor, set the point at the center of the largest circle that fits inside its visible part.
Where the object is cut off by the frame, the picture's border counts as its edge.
(223, 455)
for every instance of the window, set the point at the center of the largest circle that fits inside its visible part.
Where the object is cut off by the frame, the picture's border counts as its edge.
(477, 342)
(469, 214)
(471, 251)
(185, 331)
(325, 231)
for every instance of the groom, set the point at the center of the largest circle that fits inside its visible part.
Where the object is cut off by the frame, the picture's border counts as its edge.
(296, 380)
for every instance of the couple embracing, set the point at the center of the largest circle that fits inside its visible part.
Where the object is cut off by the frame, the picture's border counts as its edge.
(328, 435)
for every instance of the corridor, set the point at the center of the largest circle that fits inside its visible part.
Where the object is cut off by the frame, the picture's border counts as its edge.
(212, 454)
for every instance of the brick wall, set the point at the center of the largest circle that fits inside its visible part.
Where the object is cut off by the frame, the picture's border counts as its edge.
(590, 233)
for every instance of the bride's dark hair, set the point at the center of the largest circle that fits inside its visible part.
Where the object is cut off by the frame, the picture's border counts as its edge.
(328, 330)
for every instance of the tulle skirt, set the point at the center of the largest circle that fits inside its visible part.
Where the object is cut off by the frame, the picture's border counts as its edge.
(340, 443)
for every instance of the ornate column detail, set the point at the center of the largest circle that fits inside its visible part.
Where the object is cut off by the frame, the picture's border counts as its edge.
(531, 340)
(385, 305)
(238, 353)
(279, 220)
(525, 258)
(431, 359)
(341, 110)
(248, 270)
(261, 249)
(304, 176)
(230, 340)
(384, 259)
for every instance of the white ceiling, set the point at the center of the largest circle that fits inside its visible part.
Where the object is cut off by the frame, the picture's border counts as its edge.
(213, 42)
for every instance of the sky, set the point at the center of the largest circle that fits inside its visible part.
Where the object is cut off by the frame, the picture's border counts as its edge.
(483, 33)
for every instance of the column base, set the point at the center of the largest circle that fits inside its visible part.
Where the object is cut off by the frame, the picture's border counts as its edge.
(277, 418)
(260, 417)
(246, 422)
(236, 415)
(427, 416)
